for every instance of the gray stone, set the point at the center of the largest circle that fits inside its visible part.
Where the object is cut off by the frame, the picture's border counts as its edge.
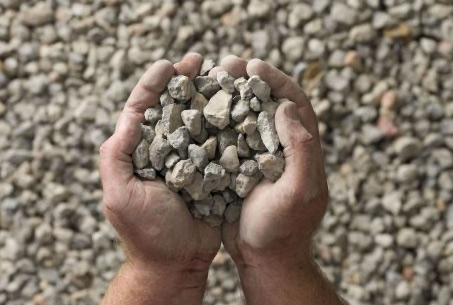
(199, 156)
(152, 115)
(245, 184)
(192, 120)
(195, 189)
(148, 133)
(158, 151)
(266, 127)
(172, 159)
(249, 168)
(183, 173)
(213, 220)
(181, 88)
(210, 145)
(255, 104)
(244, 150)
(362, 33)
(255, 142)
(198, 102)
(407, 147)
(217, 112)
(240, 110)
(232, 213)
(207, 86)
(171, 119)
(226, 81)
(225, 138)
(146, 173)
(248, 126)
(229, 159)
(242, 85)
(271, 166)
(204, 206)
(343, 13)
(207, 66)
(260, 88)
(180, 139)
(218, 206)
(38, 15)
(140, 157)
(166, 99)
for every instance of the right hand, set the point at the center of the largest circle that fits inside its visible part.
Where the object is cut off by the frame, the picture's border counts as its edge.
(279, 219)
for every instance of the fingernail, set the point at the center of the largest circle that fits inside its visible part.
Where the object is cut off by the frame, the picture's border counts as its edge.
(292, 113)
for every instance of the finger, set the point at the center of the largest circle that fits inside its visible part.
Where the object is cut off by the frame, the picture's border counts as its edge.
(145, 95)
(235, 66)
(213, 72)
(302, 152)
(115, 154)
(283, 86)
(190, 65)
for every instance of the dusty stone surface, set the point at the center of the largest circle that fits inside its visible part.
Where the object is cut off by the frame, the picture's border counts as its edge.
(181, 88)
(140, 157)
(192, 120)
(270, 165)
(230, 159)
(266, 127)
(217, 111)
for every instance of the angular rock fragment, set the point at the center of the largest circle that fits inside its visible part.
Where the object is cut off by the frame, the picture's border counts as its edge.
(255, 104)
(198, 102)
(195, 189)
(148, 133)
(207, 86)
(218, 205)
(270, 108)
(140, 157)
(207, 66)
(260, 88)
(229, 159)
(179, 140)
(183, 173)
(192, 120)
(249, 168)
(158, 150)
(171, 119)
(203, 136)
(217, 112)
(210, 146)
(271, 166)
(226, 81)
(248, 126)
(213, 172)
(224, 182)
(255, 142)
(146, 173)
(245, 184)
(240, 110)
(199, 156)
(171, 160)
(204, 206)
(232, 213)
(243, 148)
(166, 99)
(225, 138)
(266, 127)
(152, 115)
(244, 88)
(181, 88)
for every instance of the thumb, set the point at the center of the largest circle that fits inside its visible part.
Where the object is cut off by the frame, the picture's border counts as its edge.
(300, 148)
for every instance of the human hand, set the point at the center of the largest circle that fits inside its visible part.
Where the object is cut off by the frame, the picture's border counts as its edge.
(161, 239)
(271, 244)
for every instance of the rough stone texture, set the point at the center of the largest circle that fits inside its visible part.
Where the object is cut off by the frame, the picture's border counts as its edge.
(249, 168)
(232, 213)
(181, 88)
(226, 81)
(260, 88)
(240, 110)
(158, 150)
(148, 133)
(183, 173)
(229, 159)
(210, 145)
(192, 120)
(217, 111)
(140, 157)
(206, 86)
(270, 165)
(266, 127)
(245, 184)
(146, 173)
(199, 156)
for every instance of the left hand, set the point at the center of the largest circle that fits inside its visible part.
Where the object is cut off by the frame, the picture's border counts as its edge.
(157, 231)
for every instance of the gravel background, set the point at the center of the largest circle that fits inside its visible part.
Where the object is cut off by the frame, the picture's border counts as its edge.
(380, 75)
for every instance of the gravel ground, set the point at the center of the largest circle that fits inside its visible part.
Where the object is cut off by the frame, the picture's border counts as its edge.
(380, 75)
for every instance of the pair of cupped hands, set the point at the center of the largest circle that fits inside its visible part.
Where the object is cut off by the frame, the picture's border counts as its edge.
(161, 239)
